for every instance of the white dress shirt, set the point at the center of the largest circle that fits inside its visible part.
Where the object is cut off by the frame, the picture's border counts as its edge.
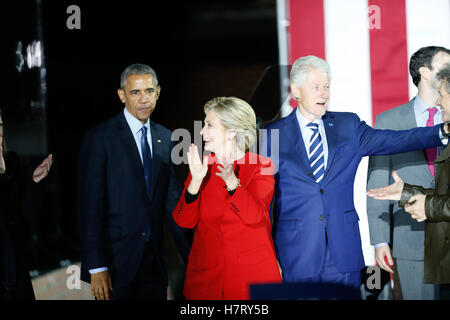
(307, 133)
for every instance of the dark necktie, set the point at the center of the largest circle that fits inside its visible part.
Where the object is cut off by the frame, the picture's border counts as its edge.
(147, 164)
(146, 159)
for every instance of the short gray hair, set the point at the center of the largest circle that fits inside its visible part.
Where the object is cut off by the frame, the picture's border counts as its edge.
(303, 65)
(238, 115)
(444, 74)
(137, 69)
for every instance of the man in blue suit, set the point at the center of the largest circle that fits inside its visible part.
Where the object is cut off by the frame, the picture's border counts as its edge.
(316, 230)
(126, 187)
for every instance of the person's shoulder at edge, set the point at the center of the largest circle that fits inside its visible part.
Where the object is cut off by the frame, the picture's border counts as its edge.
(161, 129)
(395, 111)
(257, 160)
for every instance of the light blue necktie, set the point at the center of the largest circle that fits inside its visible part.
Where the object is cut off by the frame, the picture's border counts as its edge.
(316, 156)
(147, 164)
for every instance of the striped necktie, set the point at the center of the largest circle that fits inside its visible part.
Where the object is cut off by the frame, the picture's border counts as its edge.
(316, 157)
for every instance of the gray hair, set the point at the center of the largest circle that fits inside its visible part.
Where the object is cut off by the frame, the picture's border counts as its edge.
(235, 114)
(137, 69)
(303, 65)
(444, 74)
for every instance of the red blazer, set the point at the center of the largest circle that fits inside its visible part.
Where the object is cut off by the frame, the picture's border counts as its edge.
(232, 246)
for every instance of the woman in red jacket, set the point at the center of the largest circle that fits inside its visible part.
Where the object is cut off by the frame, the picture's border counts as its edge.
(226, 199)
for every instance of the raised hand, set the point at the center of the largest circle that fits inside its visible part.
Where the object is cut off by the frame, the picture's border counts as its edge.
(390, 192)
(43, 169)
(197, 168)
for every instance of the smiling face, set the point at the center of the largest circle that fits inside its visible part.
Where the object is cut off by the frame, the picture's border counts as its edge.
(313, 95)
(214, 134)
(139, 96)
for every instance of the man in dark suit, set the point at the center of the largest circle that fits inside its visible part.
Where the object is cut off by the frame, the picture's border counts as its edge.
(126, 186)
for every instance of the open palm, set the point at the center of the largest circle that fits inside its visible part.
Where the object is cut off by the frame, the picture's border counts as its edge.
(390, 192)
(197, 168)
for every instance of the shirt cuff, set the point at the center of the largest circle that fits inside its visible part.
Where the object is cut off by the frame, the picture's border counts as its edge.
(189, 198)
(97, 270)
(381, 244)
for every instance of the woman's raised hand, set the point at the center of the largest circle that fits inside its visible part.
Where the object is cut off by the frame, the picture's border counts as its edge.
(197, 168)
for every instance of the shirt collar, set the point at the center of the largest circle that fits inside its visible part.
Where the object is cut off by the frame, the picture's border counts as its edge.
(135, 124)
(304, 122)
(421, 107)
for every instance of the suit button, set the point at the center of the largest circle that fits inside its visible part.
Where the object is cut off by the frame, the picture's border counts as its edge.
(321, 218)
(321, 191)
(310, 174)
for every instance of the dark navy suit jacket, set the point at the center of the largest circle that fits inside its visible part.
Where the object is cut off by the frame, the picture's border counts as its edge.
(304, 210)
(113, 207)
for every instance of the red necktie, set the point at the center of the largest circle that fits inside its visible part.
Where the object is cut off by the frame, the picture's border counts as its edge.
(431, 153)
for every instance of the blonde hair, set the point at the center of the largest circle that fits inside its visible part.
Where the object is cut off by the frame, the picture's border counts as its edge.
(238, 115)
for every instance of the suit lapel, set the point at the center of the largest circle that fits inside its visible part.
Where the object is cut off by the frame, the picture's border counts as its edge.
(129, 144)
(157, 155)
(294, 135)
(330, 126)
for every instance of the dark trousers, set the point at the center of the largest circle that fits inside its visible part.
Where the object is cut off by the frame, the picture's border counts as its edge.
(149, 283)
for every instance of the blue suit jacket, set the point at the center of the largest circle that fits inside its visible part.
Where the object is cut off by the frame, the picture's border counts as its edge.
(304, 210)
(113, 207)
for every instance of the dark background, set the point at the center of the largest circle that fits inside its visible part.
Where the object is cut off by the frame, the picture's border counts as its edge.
(199, 49)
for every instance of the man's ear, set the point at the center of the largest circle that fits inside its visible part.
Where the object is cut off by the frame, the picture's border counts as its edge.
(121, 95)
(424, 73)
(295, 91)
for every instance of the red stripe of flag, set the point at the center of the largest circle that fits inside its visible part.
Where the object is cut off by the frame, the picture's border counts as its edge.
(389, 57)
(307, 24)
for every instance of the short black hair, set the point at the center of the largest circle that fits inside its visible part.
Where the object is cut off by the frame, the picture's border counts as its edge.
(423, 58)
